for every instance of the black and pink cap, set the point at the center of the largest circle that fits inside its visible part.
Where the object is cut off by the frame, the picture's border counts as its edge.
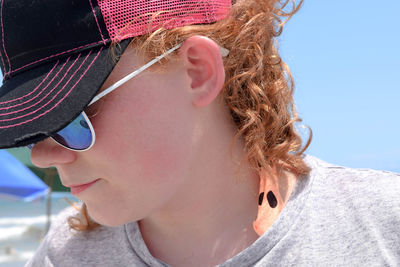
(54, 54)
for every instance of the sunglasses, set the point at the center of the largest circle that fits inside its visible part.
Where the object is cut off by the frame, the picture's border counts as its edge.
(79, 135)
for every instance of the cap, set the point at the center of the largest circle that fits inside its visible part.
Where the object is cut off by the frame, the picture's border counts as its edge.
(54, 55)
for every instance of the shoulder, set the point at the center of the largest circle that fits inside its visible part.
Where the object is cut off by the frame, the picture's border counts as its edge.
(358, 182)
(57, 235)
(65, 245)
(363, 197)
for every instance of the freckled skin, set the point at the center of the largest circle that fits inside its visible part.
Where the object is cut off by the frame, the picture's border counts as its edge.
(148, 141)
(143, 150)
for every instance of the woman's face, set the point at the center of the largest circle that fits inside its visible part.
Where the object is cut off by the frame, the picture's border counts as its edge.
(145, 135)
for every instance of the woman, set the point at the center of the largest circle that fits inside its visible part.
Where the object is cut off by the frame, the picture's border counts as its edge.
(184, 153)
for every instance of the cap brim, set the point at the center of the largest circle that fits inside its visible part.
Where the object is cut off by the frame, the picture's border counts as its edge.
(39, 102)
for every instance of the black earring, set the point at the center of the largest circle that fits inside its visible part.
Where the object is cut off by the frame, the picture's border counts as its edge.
(260, 198)
(272, 200)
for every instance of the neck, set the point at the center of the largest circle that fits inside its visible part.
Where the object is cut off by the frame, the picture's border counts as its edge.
(211, 217)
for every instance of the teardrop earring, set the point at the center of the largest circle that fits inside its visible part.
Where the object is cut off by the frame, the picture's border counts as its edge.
(260, 199)
(272, 200)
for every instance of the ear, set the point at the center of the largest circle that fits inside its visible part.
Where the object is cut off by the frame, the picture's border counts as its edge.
(204, 67)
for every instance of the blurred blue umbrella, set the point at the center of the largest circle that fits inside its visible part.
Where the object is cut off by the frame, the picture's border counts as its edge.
(17, 181)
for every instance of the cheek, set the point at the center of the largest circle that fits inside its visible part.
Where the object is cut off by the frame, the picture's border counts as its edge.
(150, 131)
(161, 138)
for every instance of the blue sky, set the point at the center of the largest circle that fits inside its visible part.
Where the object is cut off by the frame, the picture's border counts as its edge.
(345, 59)
(344, 56)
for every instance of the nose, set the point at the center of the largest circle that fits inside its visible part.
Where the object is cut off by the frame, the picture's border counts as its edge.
(48, 153)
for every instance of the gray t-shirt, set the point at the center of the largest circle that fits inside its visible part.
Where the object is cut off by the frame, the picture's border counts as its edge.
(336, 216)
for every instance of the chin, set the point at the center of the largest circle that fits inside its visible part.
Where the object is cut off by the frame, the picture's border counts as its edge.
(107, 218)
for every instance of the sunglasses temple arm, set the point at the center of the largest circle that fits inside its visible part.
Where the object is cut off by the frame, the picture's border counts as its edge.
(133, 74)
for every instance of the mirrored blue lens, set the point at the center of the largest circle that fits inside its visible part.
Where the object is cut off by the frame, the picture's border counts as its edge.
(77, 135)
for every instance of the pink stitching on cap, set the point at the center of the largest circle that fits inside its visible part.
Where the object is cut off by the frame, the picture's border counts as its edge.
(6, 108)
(58, 92)
(112, 23)
(17, 111)
(40, 115)
(56, 55)
(98, 26)
(2, 33)
(4, 66)
(45, 78)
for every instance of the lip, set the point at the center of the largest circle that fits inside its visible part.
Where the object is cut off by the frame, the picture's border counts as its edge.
(77, 189)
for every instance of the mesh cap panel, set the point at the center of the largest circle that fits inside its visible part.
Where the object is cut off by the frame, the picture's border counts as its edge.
(129, 18)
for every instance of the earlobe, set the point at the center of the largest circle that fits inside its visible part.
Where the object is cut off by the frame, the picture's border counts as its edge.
(204, 67)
